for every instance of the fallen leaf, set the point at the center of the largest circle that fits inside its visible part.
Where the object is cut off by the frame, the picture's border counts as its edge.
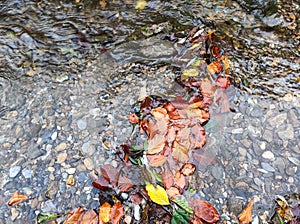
(156, 144)
(74, 216)
(180, 153)
(179, 180)
(89, 217)
(246, 215)
(226, 64)
(157, 194)
(188, 169)
(197, 136)
(214, 67)
(133, 118)
(223, 82)
(101, 183)
(16, 198)
(46, 217)
(183, 204)
(167, 176)
(124, 184)
(110, 173)
(156, 160)
(192, 72)
(180, 216)
(141, 4)
(136, 198)
(204, 210)
(207, 88)
(117, 212)
(104, 212)
(173, 192)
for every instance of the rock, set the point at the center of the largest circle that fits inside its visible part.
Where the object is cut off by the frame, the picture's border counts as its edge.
(61, 157)
(278, 120)
(268, 155)
(217, 172)
(88, 162)
(268, 135)
(287, 133)
(82, 124)
(14, 171)
(294, 160)
(54, 136)
(242, 151)
(71, 170)
(61, 146)
(26, 173)
(237, 131)
(267, 167)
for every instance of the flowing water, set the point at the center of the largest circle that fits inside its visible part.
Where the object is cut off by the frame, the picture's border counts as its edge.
(70, 72)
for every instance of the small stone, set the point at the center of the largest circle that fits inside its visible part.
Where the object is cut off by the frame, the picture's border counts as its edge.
(268, 155)
(267, 167)
(137, 213)
(237, 131)
(88, 162)
(278, 120)
(258, 182)
(14, 213)
(287, 133)
(294, 160)
(54, 136)
(71, 170)
(61, 146)
(242, 151)
(94, 112)
(82, 124)
(128, 219)
(26, 173)
(268, 135)
(262, 145)
(217, 172)
(51, 169)
(14, 171)
(70, 180)
(61, 157)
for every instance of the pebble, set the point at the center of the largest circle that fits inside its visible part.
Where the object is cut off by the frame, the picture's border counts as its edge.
(294, 160)
(136, 212)
(242, 151)
(287, 133)
(237, 131)
(54, 136)
(71, 170)
(268, 155)
(14, 213)
(89, 164)
(61, 146)
(268, 135)
(267, 167)
(14, 171)
(61, 157)
(217, 172)
(26, 173)
(278, 120)
(82, 124)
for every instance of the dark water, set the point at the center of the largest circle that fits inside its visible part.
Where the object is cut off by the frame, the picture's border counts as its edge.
(55, 46)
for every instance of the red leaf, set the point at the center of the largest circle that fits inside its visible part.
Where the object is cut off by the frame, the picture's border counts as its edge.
(156, 160)
(179, 180)
(136, 198)
(124, 184)
(133, 118)
(173, 192)
(167, 176)
(74, 216)
(110, 174)
(214, 67)
(117, 212)
(101, 183)
(223, 82)
(90, 217)
(197, 136)
(203, 210)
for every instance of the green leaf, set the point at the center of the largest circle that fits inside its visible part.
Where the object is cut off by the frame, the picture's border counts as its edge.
(46, 217)
(181, 202)
(180, 217)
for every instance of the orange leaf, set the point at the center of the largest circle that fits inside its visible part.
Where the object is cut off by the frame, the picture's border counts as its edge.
(133, 118)
(204, 210)
(117, 212)
(197, 136)
(179, 180)
(223, 82)
(226, 64)
(180, 153)
(156, 144)
(104, 212)
(207, 88)
(188, 169)
(173, 192)
(90, 217)
(16, 199)
(167, 177)
(110, 173)
(156, 160)
(74, 216)
(214, 68)
(246, 215)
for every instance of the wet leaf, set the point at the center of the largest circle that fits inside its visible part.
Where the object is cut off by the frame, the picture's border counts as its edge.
(180, 216)
(246, 215)
(89, 217)
(180, 153)
(46, 217)
(101, 183)
(223, 82)
(74, 216)
(173, 192)
(188, 169)
(207, 88)
(183, 204)
(110, 173)
(167, 177)
(226, 64)
(157, 194)
(204, 211)
(124, 184)
(156, 144)
(141, 4)
(156, 160)
(179, 180)
(16, 198)
(192, 72)
(117, 212)
(104, 212)
(136, 198)
(133, 118)
(197, 136)
(214, 68)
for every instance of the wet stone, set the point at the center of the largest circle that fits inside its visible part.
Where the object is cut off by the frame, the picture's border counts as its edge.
(26, 173)
(268, 155)
(82, 124)
(267, 167)
(287, 133)
(14, 171)
(61, 146)
(278, 120)
(268, 135)
(88, 162)
(217, 172)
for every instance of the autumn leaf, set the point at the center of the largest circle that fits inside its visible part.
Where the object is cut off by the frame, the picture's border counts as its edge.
(197, 136)
(117, 212)
(124, 184)
(204, 211)
(214, 68)
(104, 212)
(157, 194)
(223, 82)
(180, 153)
(156, 144)
(141, 4)
(226, 64)
(188, 169)
(74, 216)
(192, 72)
(167, 176)
(110, 173)
(133, 118)
(90, 217)
(156, 160)
(101, 183)
(246, 215)
(179, 180)
(16, 198)
(173, 192)
(207, 88)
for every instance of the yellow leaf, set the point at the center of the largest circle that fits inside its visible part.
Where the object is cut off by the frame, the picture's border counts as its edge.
(157, 194)
(246, 215)
(195, 45)
(190, 72)
(104, 213)
(140, 4)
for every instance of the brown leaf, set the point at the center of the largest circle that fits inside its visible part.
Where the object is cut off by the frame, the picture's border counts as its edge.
(156, 160)
(110, 173)
(214, 67)
(90, 217)
(156, 144)
(197, 136)
(180, 153)
(124, 184)
(16, 198)
(179, 180)
(207, 88)
(74, 216)
(136, 198)
(104, 212)
(188, 169)
(173, 192)
(223, 82)
(117, 212)
(203, 210)
(101, 183)
(167, 176)
(246, 215)
(133, 118)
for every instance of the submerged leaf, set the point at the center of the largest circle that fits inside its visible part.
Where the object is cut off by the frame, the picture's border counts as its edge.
(117, 212)
(74, 216)
(204, 211)
(180, 153)
(180, 216)
(246, 215)
(46, 217)
(183, 204)
(192, 72)
(214, 67)
(156, 144)
(104, 212)
(16, 199)
(90, 217)
(156, 160)
(157, 194)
